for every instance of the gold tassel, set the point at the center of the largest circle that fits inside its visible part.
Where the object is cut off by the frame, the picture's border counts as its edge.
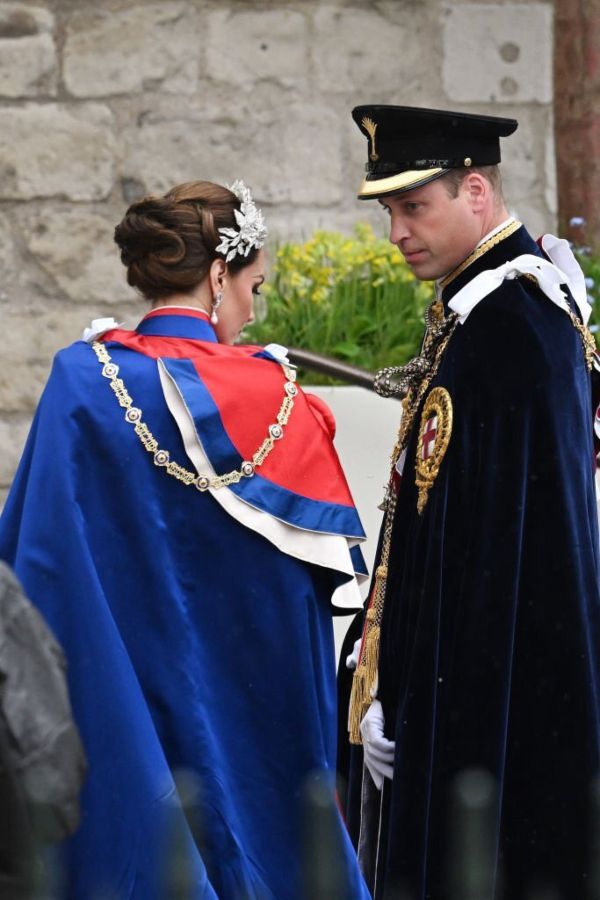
(364, 682)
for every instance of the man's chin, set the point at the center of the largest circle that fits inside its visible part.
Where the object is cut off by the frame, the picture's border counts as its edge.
(424, 271)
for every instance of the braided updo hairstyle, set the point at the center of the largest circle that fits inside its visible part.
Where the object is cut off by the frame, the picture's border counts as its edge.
(168, 243)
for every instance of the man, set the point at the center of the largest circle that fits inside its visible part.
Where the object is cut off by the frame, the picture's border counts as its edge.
(481, 645)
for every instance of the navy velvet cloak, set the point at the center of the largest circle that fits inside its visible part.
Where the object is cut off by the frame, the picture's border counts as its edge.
(192, 641)
(490, 643)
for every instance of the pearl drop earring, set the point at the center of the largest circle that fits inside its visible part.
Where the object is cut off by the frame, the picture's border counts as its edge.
(217, 300)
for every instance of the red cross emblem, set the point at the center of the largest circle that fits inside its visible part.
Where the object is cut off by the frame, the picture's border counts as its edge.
(428, 437)
(434, 436)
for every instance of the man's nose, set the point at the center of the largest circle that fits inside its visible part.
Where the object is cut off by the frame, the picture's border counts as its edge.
(398, 229)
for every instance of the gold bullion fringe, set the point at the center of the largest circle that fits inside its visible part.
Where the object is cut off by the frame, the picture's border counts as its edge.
(364, 682)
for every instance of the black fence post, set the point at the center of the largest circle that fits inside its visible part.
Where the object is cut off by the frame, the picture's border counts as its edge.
(182, 818)
(472, 841)
(324, 876)
(594, 842)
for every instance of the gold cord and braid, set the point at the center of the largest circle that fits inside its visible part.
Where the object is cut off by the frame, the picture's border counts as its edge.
(161, 458)
(587, 339)
(478, 252)
(364, 684)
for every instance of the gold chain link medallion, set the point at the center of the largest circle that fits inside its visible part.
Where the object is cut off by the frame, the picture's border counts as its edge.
(161, 458)
(434, 436)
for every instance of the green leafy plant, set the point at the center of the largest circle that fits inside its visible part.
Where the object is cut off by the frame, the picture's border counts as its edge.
(353, 298)
(590, 264)
(349, 297)
(591, 269)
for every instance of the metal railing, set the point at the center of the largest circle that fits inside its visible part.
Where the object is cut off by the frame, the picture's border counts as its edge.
(325, 365)
(472, 839)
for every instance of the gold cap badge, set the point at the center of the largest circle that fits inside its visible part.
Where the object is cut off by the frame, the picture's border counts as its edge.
(371, 127)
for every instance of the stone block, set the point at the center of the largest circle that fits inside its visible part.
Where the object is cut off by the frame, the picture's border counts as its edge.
(28, 63)
(549, 3)
(167, 141)
(306, 220)
(363, 52)
(296, 156)
(21, 386)
(498, 53)
(75, 247)
(248, 46)
(141, 47)
(37, 333)
(551, 187)
(13, 432)
(287, 153)
(524, 171)
(56, 150)
(21, 278)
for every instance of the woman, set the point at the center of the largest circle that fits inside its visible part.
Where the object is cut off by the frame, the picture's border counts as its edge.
(182, 520)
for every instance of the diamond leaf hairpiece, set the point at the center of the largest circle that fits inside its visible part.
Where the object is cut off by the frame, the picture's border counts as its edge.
(251, 231)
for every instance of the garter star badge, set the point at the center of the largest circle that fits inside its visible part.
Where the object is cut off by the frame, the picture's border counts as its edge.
(434, 436)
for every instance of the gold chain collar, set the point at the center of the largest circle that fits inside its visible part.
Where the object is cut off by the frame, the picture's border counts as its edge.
(478, 252)
(161, 458)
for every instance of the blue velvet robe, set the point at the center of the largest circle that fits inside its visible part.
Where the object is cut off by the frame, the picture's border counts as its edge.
(192, 643)
(490, 642)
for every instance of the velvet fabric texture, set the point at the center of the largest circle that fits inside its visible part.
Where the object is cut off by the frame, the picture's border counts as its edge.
(192, 641)
(490, 643)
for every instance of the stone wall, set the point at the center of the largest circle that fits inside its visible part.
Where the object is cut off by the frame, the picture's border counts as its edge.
(103, 100)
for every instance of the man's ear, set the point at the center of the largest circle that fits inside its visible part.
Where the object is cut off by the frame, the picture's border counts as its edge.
(478, 189)
(216, 274)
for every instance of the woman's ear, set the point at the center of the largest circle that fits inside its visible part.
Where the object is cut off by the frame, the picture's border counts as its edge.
(216, 275)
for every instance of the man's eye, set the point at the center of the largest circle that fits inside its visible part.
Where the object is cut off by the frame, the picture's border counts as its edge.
(256, 292)
(411, 207)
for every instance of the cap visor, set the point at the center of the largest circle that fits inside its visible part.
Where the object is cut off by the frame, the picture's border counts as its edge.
(395, 184)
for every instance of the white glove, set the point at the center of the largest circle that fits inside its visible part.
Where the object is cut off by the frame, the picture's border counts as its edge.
(378, 751)
(352, 659)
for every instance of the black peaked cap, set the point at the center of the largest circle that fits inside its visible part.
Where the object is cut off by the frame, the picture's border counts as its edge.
(409, 146)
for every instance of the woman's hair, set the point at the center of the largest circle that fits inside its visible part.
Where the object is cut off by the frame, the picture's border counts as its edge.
(168, 243)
